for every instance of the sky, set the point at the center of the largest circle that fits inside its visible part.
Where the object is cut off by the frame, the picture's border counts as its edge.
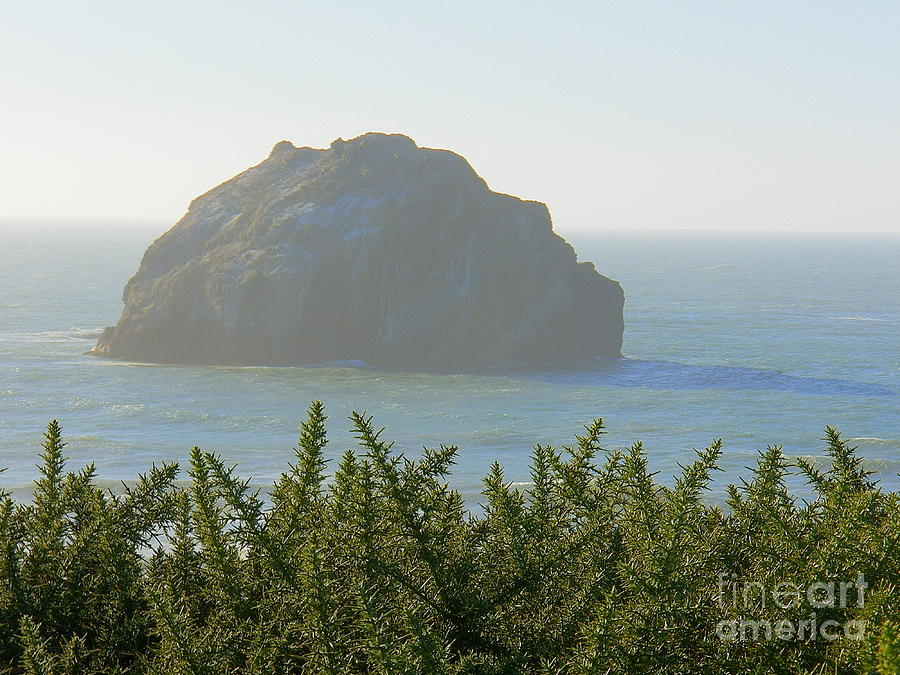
(619, 115)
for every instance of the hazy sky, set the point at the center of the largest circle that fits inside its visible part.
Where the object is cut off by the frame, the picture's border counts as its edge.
(731, 115)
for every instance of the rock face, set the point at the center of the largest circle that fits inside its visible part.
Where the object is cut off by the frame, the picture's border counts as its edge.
(374, 250)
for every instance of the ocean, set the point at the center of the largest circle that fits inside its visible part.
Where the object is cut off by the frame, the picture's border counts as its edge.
(755, 338)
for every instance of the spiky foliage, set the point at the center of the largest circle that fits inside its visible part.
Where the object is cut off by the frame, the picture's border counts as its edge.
(72, 568)
(376, 565)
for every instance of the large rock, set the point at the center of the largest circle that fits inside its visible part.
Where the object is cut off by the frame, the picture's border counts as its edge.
(373, 250)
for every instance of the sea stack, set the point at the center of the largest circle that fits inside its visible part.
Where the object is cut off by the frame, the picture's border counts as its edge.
(371, 250)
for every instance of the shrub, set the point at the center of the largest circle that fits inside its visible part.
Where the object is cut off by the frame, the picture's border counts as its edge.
(379, 566)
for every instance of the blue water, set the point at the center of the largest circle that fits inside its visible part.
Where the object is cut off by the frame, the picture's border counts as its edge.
(758, 339)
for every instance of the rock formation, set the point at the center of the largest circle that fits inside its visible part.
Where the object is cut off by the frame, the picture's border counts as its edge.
(373, 250)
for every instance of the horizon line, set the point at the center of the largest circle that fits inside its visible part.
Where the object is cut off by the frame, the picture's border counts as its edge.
(771, 229)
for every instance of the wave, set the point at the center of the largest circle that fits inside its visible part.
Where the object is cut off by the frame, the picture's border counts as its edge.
(630, 372)
(54, 336)
(863, 318)
(360, 365)
(88, 334)
(875, 441)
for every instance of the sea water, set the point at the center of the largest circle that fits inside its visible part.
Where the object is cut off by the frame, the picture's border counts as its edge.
(756, 338)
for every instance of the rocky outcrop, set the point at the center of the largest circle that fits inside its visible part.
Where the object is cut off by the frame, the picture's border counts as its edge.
(374, 250)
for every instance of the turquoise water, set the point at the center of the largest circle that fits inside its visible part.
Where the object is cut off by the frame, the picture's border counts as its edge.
(758, 339)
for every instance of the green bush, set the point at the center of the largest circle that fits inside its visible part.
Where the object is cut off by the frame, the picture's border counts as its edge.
(379, 567)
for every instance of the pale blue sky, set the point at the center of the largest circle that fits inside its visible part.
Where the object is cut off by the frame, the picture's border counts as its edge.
(713, 115)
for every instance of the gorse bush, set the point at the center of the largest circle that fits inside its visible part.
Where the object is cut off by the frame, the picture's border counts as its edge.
(376, 565)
